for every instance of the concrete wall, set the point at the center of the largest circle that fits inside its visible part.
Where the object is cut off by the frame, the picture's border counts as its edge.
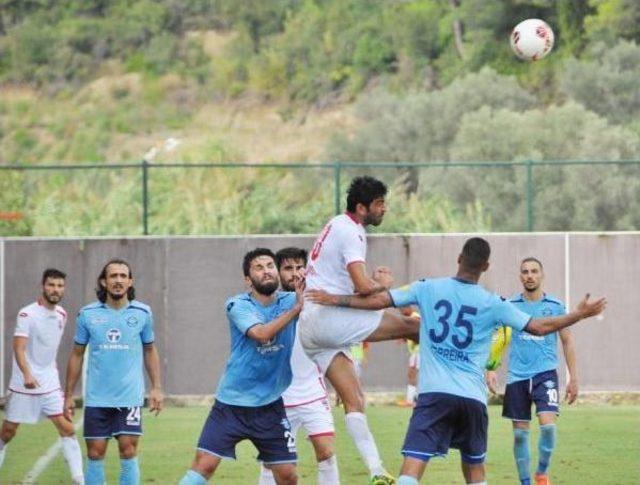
(186, 281)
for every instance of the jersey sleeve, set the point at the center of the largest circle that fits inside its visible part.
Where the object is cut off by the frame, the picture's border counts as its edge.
(23, 323)
(242, 314)
(82, 333)
(354, 247)
(405, 295)
(147, 334)
(508, 314)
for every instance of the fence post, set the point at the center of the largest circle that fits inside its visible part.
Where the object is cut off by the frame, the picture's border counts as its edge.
(336, 189)
(530, 195)
(145, 197)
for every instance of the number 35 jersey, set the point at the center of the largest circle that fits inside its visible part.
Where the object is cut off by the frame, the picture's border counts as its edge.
(458, 320)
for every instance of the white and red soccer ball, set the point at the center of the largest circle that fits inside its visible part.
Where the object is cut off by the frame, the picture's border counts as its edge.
(532, 39)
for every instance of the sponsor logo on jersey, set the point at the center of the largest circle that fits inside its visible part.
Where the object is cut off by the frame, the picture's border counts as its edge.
(113, 335)
(269, 347)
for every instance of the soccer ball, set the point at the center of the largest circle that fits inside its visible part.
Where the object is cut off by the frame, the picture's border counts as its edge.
(532, 39)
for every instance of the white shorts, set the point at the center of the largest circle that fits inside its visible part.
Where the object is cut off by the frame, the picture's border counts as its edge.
(414, 360)
(31, 408)
(314, 417)
(326, 331)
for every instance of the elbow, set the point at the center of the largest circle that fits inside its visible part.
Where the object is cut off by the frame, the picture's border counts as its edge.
(536, 330)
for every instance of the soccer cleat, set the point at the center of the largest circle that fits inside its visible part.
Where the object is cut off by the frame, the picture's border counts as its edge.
(542, 479)
(382, 479)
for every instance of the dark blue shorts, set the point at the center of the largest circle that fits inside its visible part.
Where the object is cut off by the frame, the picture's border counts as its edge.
(441, 421)
(103, 423)
(541, 389)
(267, 427)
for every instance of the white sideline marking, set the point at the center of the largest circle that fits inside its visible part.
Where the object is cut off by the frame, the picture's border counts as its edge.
(43, 462)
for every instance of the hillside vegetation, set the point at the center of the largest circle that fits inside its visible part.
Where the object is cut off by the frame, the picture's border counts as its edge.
(288, 80)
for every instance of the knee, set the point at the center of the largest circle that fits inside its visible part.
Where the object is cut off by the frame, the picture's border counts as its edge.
(95, 453)
(354, 402)
(128, 451)
(204, 467)
(288, 476)
(7, 434)
(324, 453)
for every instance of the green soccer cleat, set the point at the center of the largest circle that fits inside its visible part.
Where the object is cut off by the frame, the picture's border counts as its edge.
(382, 479)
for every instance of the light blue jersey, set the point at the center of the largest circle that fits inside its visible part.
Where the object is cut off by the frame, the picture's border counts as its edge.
(532, 354)
(257, 374)
(458, 320)
(115, 337)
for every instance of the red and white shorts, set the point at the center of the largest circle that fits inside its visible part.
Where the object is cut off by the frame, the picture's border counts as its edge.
(314, 417)
(31, 408)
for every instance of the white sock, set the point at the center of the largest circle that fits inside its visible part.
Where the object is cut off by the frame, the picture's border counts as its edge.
(2, 452)
(266, 476)
(359, 430)
(73, 455)
(478, 483)
(411, 393)
(328, 472)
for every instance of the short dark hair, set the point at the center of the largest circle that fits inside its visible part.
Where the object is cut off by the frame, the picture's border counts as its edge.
(101, 291)
(53, 273)
(251, 255)
(290, 253)
(475, 253)
(531, 259)
(364, 190)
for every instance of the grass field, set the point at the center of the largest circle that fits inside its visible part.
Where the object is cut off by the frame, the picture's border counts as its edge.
(597, 445)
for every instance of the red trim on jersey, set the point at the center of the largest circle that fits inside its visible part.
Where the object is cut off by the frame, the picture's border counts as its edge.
(306, 402)
(34, 393)
(61, 312)
(326, 433)
(352, 217)
(55, 415)
(356, 261)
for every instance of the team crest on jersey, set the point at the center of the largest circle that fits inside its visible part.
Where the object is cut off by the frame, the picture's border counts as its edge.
(113, 335)
(132, 321)
(546, 312)
(549, 384)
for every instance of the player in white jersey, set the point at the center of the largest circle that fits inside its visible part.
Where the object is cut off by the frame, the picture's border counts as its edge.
(337, 265)
(34, 388)
(305, 400)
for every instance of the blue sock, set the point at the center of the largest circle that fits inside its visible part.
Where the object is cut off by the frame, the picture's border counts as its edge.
(129, 471)
(545, 446)
(521, 454)
(193, 478)
(95, 472)
(407, 480)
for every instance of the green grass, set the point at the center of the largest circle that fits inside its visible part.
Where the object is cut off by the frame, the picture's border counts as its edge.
(597, 444)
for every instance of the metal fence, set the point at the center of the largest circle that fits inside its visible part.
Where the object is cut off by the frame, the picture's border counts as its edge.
(523, 185)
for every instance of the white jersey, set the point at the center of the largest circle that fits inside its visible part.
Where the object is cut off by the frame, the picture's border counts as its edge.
(43, 329)
(343, 241)
(307, 385)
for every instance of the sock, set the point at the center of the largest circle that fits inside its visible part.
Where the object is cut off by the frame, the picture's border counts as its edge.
(266, 476)
(193, 478)
(2, 451)
(328, 471)
(521, 454)
(129, 471)
(358, 428)
(95, 472)
(73, 455)
(411, 393)
(407, 480)
(546, 444)
(477, 483)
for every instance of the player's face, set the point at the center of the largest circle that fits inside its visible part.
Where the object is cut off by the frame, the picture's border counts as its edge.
(375, 212)
(291, 270)
(263, 275)
(53, 290)
(531, 275)
(117, 281)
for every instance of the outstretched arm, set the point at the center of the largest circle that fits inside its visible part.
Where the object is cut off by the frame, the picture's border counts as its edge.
(375, 301)
(585, 309)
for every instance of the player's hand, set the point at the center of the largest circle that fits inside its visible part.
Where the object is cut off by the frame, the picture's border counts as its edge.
(300, 284)
(384, 276)
(492, 381)
(320, 297)
(156, 400)
(588, 308)
(30, 382)
(69, 407)
(572, 391)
